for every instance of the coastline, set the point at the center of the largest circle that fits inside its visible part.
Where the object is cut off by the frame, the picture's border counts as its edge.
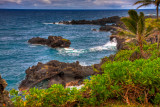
(72, 74)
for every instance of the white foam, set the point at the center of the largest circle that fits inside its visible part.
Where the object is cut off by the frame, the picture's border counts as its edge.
(110, 23)
(78, 87)
(150, 14)
(48, 23)
(111, 45)
(71, 51)
(6, 38)
(83, 64)
(32, 46)
(59, 23)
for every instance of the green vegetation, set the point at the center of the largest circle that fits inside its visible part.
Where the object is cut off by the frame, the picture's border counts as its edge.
(132, 82)
(149, 2)
(56, 95)
(135, 28)
(134, 53)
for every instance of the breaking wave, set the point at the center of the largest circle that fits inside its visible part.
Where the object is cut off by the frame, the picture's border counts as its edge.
(48, 23)
(111, 45)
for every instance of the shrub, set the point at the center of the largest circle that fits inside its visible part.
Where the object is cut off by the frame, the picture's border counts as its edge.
(56, 95)
(136, 81)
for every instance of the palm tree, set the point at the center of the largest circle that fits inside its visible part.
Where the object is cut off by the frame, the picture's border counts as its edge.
(135, 28)
(149, 2)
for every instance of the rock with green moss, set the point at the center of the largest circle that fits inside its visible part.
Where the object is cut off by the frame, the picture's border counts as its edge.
(52, 41)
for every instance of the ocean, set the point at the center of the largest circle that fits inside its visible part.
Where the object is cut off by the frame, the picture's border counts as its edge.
(17, 26)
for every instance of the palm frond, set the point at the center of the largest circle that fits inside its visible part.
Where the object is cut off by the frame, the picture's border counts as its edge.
(123, 32)
(151, 32)
(141, 24)
(133, 15)
(130, 24)
(139, 2)
(144, 4)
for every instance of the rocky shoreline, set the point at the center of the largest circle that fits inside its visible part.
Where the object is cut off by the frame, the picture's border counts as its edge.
(103, 21)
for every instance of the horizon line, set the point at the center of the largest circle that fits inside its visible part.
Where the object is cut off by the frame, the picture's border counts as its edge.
(71, 9)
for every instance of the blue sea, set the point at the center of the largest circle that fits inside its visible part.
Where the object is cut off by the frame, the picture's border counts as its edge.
(17, 26)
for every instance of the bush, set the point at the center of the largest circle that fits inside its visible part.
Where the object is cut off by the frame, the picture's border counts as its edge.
(56, 95)
(137, 81)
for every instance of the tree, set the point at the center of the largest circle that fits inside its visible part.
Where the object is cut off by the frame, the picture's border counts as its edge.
(135, 28)
(149, 2)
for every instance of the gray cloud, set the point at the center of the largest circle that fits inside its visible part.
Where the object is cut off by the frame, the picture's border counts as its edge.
(69, 4)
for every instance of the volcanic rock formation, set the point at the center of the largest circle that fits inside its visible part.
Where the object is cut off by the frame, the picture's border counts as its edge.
(52, 41)
(54, 72)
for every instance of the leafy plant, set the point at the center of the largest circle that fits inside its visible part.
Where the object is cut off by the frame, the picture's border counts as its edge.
(56, 95)
(135, 28)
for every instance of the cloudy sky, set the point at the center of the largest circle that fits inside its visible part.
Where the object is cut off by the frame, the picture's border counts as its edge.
(68, 4)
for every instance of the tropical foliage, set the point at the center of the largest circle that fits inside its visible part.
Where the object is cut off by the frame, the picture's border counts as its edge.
(135, 28)
(56, 95)
(149, 2)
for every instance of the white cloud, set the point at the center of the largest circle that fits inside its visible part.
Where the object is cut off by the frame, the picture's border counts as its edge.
(13, 1)
(80, 4)
(46, 1)
(109, 2)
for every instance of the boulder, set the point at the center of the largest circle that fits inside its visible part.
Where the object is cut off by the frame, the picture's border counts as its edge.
(4, 95)
(52, 41)
(94, 29)
(55, 72)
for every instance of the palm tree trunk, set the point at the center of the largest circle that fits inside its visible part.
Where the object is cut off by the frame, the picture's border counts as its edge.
(141, 46)
(158, 40)
(157, 11)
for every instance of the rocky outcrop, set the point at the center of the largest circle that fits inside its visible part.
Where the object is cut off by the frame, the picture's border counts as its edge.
(112, 27)
(120, 42)
(102, 21)
(52, 41)
(4, 95)
(54, 72)
(107, 28)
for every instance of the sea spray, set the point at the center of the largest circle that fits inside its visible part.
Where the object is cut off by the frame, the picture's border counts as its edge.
(111, 45)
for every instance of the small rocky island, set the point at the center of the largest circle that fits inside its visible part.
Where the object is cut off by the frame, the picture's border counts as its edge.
(52, 41)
